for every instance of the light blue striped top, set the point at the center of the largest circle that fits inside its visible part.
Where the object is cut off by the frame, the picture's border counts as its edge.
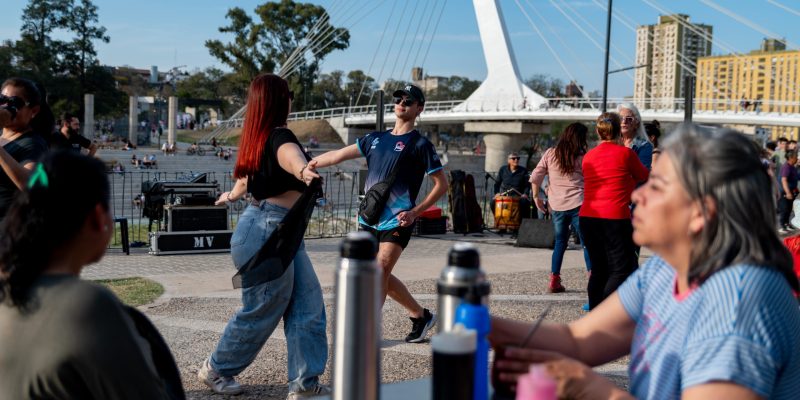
(742, 325)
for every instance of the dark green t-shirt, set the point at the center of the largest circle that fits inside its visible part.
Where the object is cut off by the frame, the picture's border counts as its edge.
(75, 341)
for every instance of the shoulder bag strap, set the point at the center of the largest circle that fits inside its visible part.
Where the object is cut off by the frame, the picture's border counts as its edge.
(403, 156)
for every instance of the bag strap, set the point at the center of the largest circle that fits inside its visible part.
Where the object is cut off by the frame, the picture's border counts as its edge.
(403, 155)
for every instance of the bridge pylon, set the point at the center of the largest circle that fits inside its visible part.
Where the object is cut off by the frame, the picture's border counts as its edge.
(501, 91)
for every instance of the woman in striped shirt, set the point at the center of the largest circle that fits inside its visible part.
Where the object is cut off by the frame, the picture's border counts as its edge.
(712, 315)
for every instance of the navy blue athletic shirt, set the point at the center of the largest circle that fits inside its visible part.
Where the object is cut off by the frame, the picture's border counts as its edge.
(382, 151)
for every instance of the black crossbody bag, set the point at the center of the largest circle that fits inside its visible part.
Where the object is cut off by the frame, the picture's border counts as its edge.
(376, 197)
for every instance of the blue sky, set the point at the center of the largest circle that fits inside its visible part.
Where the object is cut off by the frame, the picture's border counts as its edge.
(167, 33)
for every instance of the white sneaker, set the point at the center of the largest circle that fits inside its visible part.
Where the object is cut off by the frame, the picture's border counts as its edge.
(218, 383)
(783, 230)
(316, 390)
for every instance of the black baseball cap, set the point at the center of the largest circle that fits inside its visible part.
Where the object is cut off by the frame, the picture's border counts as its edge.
(412, 92)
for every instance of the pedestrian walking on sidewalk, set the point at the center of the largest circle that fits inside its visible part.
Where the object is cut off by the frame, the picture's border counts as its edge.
(383, 151)
(273, 169)
(562, 164)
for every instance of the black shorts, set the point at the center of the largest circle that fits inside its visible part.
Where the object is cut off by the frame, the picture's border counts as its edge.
(399, 235)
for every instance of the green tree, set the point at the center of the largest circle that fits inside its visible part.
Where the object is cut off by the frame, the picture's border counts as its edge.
(328, 91)
(36, 50)
(82, 20)
(266, 43)
(359, 83)
(546, 85)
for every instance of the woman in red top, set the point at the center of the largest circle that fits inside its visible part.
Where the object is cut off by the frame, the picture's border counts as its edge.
(610, 173)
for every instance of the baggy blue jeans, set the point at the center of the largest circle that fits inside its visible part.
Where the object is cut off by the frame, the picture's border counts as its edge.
(296, 297)
(561, 222)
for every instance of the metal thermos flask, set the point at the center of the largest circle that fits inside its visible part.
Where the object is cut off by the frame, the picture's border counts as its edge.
(357, 333)
(462, 272)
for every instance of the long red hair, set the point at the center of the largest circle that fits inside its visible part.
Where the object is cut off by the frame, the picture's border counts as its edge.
(267, 108)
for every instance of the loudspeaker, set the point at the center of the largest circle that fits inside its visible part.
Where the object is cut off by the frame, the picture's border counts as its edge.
(193, 218)
(190, 242)
(537, 233)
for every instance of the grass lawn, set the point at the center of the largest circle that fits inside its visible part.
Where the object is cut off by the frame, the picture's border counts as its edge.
(134, 291)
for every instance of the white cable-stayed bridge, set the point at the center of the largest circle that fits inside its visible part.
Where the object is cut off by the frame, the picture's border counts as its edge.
(503, 108)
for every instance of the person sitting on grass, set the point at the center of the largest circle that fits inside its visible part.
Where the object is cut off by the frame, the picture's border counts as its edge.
(711, 315)
(62, 337)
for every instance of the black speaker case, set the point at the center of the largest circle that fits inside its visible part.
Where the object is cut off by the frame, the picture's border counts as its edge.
(193, 242)
(172, 213)
(536, 233)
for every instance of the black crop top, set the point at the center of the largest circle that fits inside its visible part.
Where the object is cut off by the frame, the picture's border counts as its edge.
(272, 180)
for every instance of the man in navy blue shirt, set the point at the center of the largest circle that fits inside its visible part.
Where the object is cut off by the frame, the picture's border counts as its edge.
(393, 231)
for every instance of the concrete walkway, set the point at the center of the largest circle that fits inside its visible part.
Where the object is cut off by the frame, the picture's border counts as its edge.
(199, 300)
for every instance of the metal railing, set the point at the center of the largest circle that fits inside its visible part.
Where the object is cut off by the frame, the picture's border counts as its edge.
(334, 216)
(552, 104)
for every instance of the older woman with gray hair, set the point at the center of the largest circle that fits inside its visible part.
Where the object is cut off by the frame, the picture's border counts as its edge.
(634, 135)
(711, 315)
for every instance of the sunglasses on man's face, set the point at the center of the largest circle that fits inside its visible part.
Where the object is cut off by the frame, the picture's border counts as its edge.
(628, 120)
(513, 158)
(13, 101)
(405, 102)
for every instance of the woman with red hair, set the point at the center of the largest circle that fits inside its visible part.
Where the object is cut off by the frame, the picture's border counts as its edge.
(272, 167)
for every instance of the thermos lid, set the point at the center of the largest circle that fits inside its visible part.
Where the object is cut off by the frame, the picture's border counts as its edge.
(458, 340)
(359, 246)
(464, 255)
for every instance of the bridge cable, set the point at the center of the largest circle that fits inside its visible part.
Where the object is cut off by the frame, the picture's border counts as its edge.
(375, 55)
(417, 39)
(572, 21)
(424, 38)
(336, 34)
(591, 39)
(750, 24)
(628, 23)
(578, 59)
(546, 43)
(403, 42)
(389, 49)
(316, 43)
(720, 43)
(433, 35)
(779, 5)
(315, 32)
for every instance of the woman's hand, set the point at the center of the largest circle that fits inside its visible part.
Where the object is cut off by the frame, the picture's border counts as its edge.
(223, 199)
(574, 379)
(309, 172)
(540, 204)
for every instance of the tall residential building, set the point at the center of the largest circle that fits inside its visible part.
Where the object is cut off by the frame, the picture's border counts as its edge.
(765, 80)
(668, 51)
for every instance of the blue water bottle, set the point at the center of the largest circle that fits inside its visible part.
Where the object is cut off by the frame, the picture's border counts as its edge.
(474, 315)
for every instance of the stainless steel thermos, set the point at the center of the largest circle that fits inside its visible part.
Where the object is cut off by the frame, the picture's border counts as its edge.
(357, 331)
(462, 272)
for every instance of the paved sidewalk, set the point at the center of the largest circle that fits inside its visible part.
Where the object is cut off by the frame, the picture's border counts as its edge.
(199, 300)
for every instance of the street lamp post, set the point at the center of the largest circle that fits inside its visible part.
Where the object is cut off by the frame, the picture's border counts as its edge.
(608, 45)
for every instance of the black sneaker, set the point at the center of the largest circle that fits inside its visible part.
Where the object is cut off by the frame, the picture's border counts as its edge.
(420, 327)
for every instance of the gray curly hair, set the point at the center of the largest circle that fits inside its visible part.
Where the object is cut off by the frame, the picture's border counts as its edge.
(724, 166)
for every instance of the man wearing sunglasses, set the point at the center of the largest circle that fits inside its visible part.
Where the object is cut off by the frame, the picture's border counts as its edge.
(69, 138)
(393, 231)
